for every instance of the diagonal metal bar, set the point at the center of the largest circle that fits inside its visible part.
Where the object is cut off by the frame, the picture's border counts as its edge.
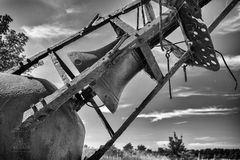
(222, 15)
(99, 153)
(100, 114)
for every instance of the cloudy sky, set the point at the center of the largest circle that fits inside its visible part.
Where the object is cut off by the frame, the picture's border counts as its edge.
(205, 110)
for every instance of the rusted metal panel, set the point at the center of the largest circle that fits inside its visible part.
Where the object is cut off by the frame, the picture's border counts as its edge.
(197, 36)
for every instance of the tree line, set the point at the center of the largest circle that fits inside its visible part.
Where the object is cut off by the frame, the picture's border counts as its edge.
(175, 150)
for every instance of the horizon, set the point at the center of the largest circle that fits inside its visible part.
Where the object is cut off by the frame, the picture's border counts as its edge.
(205, 110)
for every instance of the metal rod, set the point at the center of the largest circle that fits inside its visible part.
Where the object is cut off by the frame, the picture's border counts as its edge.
(105, 122)
(160, 24)
(222, 15)
(93, 20)
(143, 15)
(64, 66)
(235, 79)
(99, 153)
(185, 72)
(169, 81)
(138, 18)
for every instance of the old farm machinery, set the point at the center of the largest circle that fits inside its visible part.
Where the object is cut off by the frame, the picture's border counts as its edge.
(106, 71)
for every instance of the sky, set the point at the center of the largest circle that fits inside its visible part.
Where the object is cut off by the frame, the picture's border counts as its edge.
(205, 110)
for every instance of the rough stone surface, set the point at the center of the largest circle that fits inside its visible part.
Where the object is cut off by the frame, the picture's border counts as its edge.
(60, 137)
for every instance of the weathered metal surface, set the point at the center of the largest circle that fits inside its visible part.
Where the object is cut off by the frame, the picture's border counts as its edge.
(197, 36)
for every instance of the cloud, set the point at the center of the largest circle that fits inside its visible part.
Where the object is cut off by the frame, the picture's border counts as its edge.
(162, 143)
(193, 93)
(232, 61)
(213, 145)
(188, 92)
(124, 105)
(47, 31)
(156, 116)
(183, 122)
(104, 109)
(231, 95)
(75, 10)
(205, 138)
(230, 25)
(181, 88)
(56, 3)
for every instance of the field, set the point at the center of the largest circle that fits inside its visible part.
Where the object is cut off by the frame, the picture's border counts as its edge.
(117, 154)
(88, 152)
(124, 156)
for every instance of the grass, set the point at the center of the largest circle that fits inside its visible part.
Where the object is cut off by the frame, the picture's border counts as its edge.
(87, 152)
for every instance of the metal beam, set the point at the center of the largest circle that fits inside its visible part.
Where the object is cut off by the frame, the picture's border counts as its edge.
(223, 15)
(100, 114)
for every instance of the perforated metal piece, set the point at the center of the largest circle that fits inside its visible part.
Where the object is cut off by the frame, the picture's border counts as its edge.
(203, 53)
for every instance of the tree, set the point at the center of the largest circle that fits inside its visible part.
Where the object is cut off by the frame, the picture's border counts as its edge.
(112, 151)
(149, 151)
(141, 148)
(176, 146)
(11, 44)
(162, 151)
(128, 148)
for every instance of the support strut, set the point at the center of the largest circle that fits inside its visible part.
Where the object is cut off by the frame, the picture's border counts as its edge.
(100, 152)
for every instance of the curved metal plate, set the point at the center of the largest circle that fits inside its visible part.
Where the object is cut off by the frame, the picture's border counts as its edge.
(203, 53)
